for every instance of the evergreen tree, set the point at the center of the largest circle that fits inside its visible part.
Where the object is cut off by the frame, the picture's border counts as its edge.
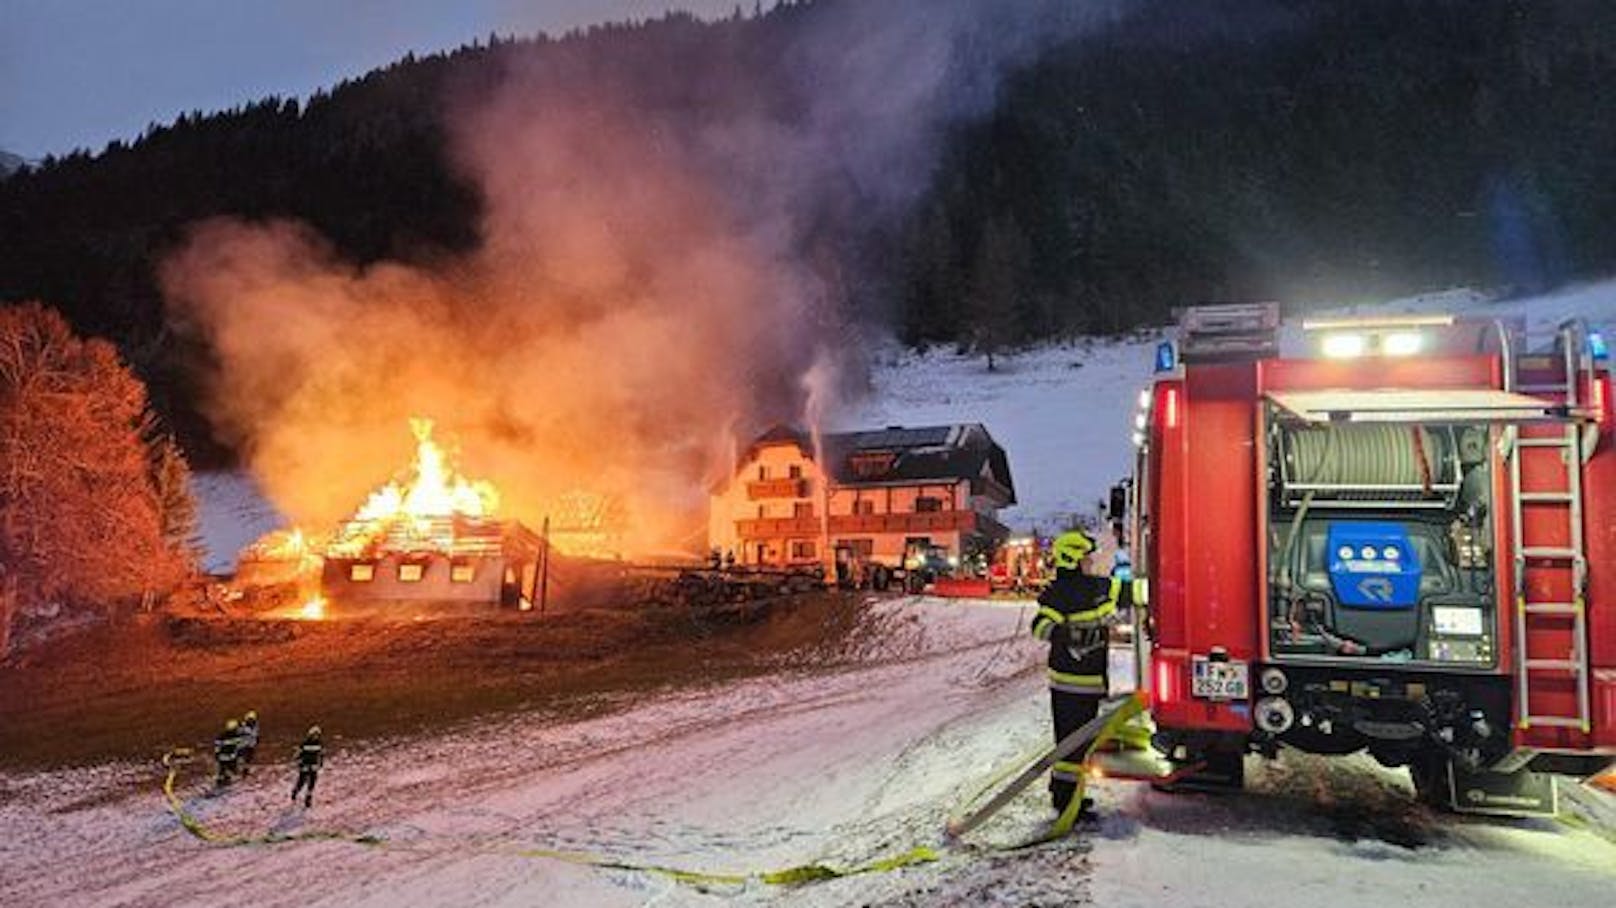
(996, 296)
(176, 504)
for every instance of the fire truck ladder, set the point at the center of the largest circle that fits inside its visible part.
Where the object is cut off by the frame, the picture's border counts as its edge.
(1540, 552)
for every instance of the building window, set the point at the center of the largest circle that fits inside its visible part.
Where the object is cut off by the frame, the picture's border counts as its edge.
(411, 572)
(864, 506)
(796, 471)
(802, 550)
(760, 512)
(802, 509)
(462, 573)
(872, 464)
(763, 472)
(862, 548)
(361, 573)
(926, 504)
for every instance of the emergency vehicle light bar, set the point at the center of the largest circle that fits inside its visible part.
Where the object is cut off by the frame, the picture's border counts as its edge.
(1372, 323)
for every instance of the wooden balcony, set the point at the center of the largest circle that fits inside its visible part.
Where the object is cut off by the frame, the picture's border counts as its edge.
(779, 527)
(777, 488)
(914, 524)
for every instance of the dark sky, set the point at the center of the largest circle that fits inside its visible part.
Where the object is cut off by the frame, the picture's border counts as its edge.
(79, 73)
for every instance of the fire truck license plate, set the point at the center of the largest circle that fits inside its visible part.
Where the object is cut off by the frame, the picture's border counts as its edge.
(1219, 680)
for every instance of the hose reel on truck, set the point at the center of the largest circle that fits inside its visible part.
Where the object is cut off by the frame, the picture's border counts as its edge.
(1367, 465)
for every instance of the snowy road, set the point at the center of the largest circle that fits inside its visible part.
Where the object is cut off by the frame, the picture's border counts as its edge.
(838, 765)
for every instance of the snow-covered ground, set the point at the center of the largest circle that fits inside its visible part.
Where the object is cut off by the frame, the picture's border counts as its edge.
(811, 766)
(801, 767)
(232, 513)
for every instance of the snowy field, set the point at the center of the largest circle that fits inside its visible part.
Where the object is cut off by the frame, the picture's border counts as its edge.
(801, 767)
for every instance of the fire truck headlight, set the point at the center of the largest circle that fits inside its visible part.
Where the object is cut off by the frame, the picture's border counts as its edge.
(1402, 343)
(1139, 421)
(1344, 346)
(1138, 439)
(1144, 399)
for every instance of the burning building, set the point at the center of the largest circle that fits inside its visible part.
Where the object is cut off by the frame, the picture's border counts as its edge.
(457, 559)
(428, 537)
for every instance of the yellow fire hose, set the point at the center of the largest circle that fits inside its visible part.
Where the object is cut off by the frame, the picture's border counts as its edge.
(1113, 725)
(790, 876)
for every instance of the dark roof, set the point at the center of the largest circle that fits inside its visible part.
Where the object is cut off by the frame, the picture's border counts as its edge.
(782, 434)
(898, 454)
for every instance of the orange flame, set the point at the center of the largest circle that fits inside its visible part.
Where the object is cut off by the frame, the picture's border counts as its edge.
(312, 610)
(416, 507)
(435, 489)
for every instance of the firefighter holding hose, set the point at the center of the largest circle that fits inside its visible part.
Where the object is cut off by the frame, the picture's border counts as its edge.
(1075, 614)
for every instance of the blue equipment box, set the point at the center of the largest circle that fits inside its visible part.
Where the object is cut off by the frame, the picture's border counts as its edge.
(1373, 565)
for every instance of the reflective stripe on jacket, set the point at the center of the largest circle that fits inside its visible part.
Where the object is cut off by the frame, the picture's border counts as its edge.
(1073, 683)
(1074, 618)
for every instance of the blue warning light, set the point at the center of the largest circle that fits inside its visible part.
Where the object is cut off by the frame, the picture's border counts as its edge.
(1166, 357)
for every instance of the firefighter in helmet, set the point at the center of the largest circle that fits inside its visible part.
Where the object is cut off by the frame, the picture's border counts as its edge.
(227, 752)
(310, 757)
(247, 740)
(1075, 614)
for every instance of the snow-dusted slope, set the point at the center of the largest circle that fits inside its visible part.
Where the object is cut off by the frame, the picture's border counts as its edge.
(1062, 414)
(232, 513)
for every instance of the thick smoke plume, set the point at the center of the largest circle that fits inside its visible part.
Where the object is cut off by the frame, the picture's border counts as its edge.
(675, 231)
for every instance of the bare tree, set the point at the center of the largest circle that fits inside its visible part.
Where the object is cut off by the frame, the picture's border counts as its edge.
(80, 520)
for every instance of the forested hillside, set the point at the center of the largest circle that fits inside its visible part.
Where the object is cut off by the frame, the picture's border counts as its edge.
(1309, 150)
(1166, 152)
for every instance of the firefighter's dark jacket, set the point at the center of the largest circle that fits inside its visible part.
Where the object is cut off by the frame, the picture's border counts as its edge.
(1074, 615)
(310, 754)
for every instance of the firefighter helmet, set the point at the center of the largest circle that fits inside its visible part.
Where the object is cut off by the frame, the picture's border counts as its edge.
(231, 725)
(314, 731)
(251, 716)
(1072, 547)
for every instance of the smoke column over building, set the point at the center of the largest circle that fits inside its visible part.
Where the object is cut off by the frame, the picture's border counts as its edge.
(673, 233)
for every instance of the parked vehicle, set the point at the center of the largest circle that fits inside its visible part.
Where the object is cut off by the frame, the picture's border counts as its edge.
(1402, 541)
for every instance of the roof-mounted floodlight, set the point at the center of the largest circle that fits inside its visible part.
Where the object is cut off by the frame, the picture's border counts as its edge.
(1344, 345)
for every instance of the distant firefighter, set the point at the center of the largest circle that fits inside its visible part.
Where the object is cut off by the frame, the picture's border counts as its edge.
(227, 752)
(310, 756)
(247, 732)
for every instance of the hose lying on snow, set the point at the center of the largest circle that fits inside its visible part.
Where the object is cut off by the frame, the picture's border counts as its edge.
(790, 876)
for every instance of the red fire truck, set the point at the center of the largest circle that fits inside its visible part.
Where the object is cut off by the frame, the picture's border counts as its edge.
(1397, 536)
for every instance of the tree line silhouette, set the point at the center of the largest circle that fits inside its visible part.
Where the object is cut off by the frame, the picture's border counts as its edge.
(1185, 150)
